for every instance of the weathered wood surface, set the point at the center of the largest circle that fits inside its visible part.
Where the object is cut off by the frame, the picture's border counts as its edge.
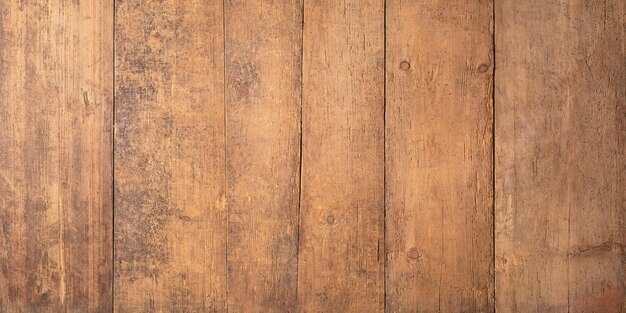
(341, 255)
(439, 156)
(170, 213)
(56, 99)
(560, 134)
(263, 74)
(312, 156)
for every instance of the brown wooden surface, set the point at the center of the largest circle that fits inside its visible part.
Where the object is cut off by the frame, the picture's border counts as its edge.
(170, 213)
(312, 156)
(439, 156)
(560, 133)
(56, 102)
(263, 72)
(342, 213)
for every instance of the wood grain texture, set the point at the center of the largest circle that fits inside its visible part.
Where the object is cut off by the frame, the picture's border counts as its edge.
(560, 134)
(439, 156)
(55, 157)
(170, 214)
(342, 213)
(263, 69)
(312, 156)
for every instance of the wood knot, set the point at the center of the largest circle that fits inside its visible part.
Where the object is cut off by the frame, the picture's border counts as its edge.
(483, 68)
(243, 79)
(405, 65)
(330, 219)
(413, 254)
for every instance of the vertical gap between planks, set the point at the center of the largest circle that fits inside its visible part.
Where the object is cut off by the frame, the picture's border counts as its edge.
(300, 156)
(384, 243)
(225, 199)
(113, 167)
(493, 148)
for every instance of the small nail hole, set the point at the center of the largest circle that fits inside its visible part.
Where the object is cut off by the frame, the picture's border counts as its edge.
(330, 219)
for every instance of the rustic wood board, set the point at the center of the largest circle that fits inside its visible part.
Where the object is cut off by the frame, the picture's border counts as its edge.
(263, 74)
(312, 156)
(439, 156)
(56, 100)
(341, 255)
(560, 134)
(170, 213)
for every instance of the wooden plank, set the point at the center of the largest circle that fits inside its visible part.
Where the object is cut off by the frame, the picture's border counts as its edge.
(560, 134)
(56, 62)
(170, 214)
(263, 69)
(439, 136)
(341, 261)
